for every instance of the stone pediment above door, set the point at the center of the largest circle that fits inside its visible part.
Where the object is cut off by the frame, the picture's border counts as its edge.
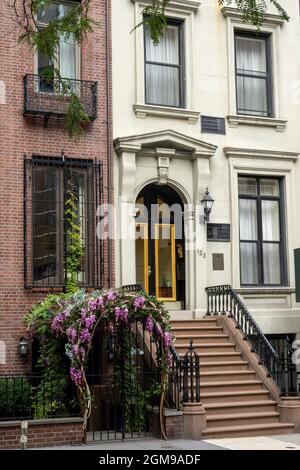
(181, 145)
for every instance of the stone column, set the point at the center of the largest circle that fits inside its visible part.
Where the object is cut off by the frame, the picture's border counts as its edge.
(194, 420)
(126, 211)
(201, 171)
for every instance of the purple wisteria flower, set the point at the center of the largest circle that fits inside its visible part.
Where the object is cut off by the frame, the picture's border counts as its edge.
(139, 302)
(76, 375)
(110, 296)
(158, 330)
(58, 321)
(72, 335)
(167, 337)
(89, 321)
(149, 324)
(92, 305)
(83, 313)
(85, 336)
(79, 352)
(100, 302)
(121, 314)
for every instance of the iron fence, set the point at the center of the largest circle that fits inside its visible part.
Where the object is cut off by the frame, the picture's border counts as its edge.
(34, 397)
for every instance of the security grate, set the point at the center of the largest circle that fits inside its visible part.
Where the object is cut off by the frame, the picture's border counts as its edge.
(49, 181)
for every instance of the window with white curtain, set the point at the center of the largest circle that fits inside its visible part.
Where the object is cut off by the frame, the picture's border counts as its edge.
(163, 68)
(261, 237)
(253, 76)
(67, 53)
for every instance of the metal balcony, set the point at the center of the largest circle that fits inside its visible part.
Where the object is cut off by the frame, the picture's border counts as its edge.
(51, 98)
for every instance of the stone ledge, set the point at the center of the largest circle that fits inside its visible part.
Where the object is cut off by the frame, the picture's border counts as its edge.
(234, 120)
(269, 18)
(265, 290)
(183, 5)
(258, 153)
(40, 422)
(144, 110)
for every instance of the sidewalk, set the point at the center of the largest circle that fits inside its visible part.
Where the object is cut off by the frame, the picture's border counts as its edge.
(286, 442)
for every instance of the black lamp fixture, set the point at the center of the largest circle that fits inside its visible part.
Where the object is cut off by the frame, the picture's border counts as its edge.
(23, 346)
(207, 202)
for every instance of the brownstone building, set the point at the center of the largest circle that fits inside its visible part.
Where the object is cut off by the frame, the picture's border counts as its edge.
(38, 160)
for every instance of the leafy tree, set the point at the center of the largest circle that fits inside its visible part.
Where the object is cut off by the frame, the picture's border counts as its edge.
(77, 23)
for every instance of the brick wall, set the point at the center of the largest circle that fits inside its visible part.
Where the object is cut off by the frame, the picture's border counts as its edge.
(42, 433)
(19, 136)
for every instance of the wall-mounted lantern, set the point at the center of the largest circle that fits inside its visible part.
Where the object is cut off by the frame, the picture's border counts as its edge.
(207, 202)
(23, 347)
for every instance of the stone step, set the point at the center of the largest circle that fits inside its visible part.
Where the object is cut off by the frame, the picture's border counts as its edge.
(268, 429)
(237, 419)
(200, 339)
(207, 347)
(229, 375)
(231, 386)
(223, 365)
(191, 331)
(225, 408)
(209, 397)
(194, 323)
(213, 357)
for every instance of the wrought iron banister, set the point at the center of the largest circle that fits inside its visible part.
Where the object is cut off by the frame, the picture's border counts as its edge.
(223, 300)
(48, 98)
(184, 377)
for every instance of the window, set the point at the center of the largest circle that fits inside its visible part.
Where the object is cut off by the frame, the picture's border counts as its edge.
(262, 256)
(164, 68)
(253, 75)
(67, 55)
(49, 183)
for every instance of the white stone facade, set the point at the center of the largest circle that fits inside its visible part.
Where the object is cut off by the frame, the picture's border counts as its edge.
(164, 144)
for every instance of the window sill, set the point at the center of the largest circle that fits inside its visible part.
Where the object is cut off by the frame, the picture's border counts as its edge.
(236, 120)
(265, 290)
(144, 110)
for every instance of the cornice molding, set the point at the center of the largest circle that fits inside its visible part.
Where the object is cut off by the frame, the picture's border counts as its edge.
(234, 120)
(231, 152)
(144, 110)
(269, 18)
(181, 5)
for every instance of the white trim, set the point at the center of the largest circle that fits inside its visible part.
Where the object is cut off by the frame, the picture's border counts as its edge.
(237, 119)
(261, 163)
(257, 153)
(269, 18)
(144, 110)
(176, 5)
(176, 9)
(271, 28)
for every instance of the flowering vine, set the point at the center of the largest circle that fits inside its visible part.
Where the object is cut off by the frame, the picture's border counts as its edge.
(72, 319)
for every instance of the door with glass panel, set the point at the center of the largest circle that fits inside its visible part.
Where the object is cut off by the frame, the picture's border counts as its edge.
(262, 248)
(160, 260)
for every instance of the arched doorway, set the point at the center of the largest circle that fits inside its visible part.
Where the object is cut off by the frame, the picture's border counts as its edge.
(160, 250)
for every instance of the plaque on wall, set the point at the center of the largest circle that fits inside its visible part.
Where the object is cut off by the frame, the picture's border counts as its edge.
(218, 232)
(218, 261)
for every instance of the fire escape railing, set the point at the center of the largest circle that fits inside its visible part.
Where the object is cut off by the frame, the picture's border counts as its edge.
(223, 300)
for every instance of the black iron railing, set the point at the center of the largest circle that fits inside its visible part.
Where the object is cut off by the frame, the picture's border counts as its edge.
(184, 378)
(47, 98)
(32, 397)
(223, 300)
